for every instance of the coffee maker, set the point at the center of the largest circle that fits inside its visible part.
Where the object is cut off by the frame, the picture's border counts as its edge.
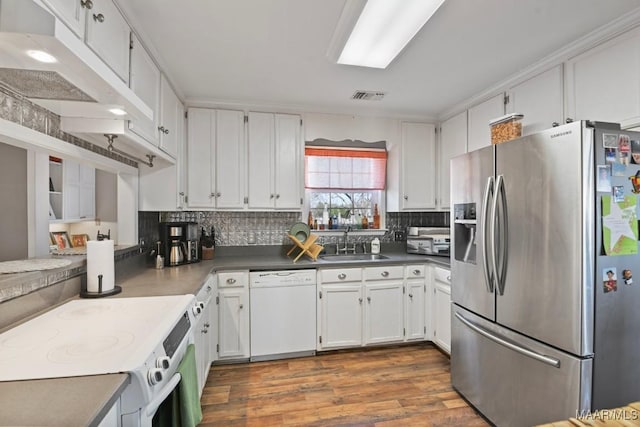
(179, 243)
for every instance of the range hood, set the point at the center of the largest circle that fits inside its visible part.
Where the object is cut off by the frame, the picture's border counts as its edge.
(79, 84)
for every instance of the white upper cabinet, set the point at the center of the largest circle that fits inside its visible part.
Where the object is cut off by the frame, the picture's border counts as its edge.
(215, 158)
(479, 132)
(540, 99)
(171, 117)
(71, 12)
(603, 84)
(79, 191)
(274, 161)
(108, 35)
(144, 80)
(418, 166)
(453, 142)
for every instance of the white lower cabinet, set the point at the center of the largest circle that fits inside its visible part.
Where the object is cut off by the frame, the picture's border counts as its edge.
(233, 315)
(202, 332)
(371, 305)
(384, 306)
(442, 308)
(339, 308)
(415, 307)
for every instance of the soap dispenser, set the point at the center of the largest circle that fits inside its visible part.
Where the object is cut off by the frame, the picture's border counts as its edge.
(375, 246)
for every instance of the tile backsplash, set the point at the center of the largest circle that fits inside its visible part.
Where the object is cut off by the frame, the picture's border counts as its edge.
(267, 228)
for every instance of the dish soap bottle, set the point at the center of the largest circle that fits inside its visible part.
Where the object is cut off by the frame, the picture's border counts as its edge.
(325, 216)
(375, 246)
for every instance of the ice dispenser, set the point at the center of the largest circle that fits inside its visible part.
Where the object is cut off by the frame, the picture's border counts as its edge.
(465, 232)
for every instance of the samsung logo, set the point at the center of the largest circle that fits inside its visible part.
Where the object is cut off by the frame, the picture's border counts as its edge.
(556, 135)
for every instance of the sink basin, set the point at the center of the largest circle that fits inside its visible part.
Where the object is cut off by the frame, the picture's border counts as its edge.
(353, 257)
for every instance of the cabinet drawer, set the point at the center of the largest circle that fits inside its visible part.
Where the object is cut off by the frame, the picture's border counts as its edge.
(415, 271)
(341, 275)
(233, 279)
(442, 275)
(384, 273)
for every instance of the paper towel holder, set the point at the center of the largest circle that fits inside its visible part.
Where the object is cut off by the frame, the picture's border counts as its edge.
(84, 293)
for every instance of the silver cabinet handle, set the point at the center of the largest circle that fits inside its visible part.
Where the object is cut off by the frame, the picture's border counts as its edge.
(241, 306)
(208, 288)
(161, 129)
(449, 279)
(271, 196)
(231, 280)
(369, 300)
(204, 331)
(384, 274)
(206, 325)
(518, 349)
(406, 197)
(277, 196)
(411, 296)
(98, 18)
(416, 272)
(86, 4)
(218, 194)
(342, 276)
(212, 195)
(360, 300)
(166, 131)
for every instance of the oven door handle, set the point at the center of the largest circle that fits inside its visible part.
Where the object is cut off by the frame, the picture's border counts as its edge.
(153, 406)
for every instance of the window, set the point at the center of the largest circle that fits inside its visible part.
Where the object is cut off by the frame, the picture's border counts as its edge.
(348, 181)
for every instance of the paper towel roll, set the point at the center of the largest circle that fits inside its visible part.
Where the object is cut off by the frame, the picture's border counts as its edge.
(100, 262)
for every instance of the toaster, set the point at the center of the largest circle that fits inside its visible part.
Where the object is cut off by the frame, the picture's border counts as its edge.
(428, 240)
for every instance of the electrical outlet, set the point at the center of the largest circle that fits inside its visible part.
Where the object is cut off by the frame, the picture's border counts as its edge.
(399, 236)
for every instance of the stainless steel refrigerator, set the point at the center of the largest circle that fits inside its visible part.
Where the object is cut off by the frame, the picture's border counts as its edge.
(540, 331)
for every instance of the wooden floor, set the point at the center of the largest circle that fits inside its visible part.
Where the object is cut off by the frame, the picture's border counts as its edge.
(390, 386)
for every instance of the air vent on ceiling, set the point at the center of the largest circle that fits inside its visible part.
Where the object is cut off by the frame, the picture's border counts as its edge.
(367, 95)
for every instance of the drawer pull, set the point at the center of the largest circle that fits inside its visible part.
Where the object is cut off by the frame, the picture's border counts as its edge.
(360, 300)
(416, 272)
(384, 273)
(342, 276)
(241, 306)
(448, 278)
(231, 280)
(369, 300)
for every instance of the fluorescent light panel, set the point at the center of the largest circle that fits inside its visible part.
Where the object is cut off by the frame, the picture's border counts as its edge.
(384, 29)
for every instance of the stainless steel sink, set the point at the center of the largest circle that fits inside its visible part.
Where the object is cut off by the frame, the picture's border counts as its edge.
(353, 257)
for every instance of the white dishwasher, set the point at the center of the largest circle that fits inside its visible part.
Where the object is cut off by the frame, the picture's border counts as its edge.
(283, 314)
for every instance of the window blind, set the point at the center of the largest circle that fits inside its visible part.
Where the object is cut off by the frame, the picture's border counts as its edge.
(345, 169)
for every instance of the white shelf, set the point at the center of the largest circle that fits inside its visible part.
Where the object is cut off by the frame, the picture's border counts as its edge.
(339, 232)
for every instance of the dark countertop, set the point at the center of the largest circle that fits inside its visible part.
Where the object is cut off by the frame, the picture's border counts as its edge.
(85, 400)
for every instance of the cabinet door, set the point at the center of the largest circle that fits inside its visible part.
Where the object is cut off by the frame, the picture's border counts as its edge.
(479, 116)
(384, 312)
(416, 291)
(87, 205)
(288, 162)
(201, 348)
(603, 83)
(540, 99)
(233, 331)
(71, 12)
(171, 117)
(71, 190)
(108, 36)
(442, 315)
(230, 159)
(341, 316)
(418, 166)
(144, 81)
(261, 156)
(200, 158)
(453, 142)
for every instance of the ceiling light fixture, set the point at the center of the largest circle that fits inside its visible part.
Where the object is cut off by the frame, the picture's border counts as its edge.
(42, 56)
(383, 29)
(117, 111)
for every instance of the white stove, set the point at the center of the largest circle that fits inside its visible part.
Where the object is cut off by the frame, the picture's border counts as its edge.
(145, 337)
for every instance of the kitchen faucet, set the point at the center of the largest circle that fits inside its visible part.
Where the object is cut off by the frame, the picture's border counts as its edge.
(346, 247)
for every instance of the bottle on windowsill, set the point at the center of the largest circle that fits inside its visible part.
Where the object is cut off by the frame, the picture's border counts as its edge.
(376, 217)
(365, 222)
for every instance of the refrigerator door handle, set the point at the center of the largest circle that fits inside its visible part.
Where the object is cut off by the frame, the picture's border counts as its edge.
(501, 196)
(503, 342)
(488, 275)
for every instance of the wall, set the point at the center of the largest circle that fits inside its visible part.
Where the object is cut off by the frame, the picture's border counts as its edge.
(13, 193)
